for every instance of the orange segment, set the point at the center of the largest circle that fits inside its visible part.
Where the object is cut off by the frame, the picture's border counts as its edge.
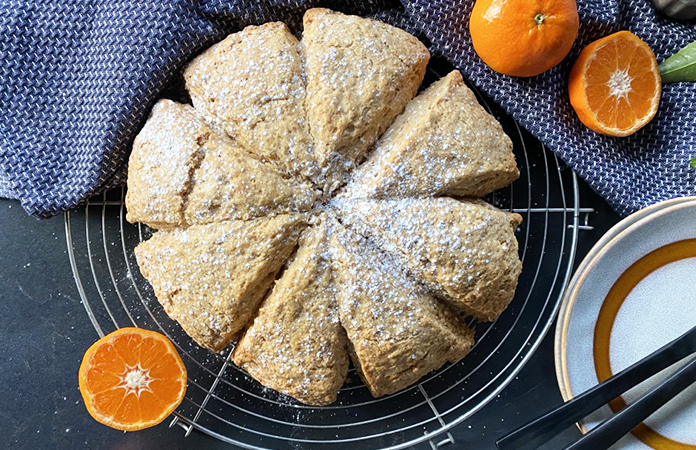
(614, 85)
(132, 379)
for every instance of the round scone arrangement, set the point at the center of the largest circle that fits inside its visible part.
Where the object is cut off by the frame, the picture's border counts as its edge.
(313, 211)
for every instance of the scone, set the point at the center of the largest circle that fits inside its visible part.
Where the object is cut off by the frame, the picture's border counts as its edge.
(295, 344)
(443, 143)
(229, 184)
(182, 172)
(165, 153)
(211, 278)
(388, 265)
(360, 75)
(397, 332)
(252, 85)
(465, 251)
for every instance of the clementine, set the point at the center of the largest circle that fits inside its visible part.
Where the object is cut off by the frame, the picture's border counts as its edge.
(132, 379)
(615, 85)
(523, 38)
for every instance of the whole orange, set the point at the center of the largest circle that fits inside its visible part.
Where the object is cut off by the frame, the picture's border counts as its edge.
(523, 38)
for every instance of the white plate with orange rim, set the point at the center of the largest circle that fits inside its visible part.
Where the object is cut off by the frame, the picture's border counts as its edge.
(634, 292)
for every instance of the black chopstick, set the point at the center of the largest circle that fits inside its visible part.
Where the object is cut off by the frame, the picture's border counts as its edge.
(614, 428)
(542, 429)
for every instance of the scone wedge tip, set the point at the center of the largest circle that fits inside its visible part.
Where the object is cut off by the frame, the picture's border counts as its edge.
(360, 75)
(295, 344)
(211, 278)
(397, 332)
(444, 143)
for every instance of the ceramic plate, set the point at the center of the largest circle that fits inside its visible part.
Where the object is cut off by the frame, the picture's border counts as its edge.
(634, 292)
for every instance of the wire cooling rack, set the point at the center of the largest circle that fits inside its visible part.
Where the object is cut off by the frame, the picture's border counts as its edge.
(223, 401)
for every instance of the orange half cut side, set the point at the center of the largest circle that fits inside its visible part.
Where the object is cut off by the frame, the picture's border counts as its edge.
(132, 379)
(615, 85)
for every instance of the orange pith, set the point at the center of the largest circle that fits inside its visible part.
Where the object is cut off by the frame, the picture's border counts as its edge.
(132, 379)
(523, 37)
(614, 85)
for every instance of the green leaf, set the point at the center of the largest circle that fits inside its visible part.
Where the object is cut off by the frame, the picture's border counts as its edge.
(693, 163)
(681, 66)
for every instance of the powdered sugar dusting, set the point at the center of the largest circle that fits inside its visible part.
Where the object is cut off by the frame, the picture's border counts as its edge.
(444, 143)
(252, 85)
(276, 129)
(210, 278)
(360, 75)
(397, 330)
(465, 251)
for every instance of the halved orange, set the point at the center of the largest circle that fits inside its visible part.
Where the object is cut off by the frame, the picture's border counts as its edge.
(132, 379)
(614, 85)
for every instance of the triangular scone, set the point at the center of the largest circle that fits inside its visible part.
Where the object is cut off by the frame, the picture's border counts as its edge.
(182, 172)
(295, 344)
(165, 153)
(211, 278)
(230, 184)
(360, 75)
(252, 86)
(443, 143)
(397, 332)
(465, 251)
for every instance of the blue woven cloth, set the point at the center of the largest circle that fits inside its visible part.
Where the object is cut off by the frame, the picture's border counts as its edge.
(79, 78)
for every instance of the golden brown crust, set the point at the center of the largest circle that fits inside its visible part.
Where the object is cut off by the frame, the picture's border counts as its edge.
(397, 332)
(295, 344)
(211, 278)
(360, 75)
(443, 143)
(465, 251)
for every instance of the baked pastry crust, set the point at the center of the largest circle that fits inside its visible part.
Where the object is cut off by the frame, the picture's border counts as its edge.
(295, 344)
(229, 184)
(211, 278)
(465, 251)
(397, 332)
(383, 270)
(165, 153)
(252, 85)
(443, 143)
(183, 172)
(360, 75)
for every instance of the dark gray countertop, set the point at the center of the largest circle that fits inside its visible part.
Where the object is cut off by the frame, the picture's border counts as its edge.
(44, 332)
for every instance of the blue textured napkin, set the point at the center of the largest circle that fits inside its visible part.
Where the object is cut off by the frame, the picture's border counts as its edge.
(78, 78)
